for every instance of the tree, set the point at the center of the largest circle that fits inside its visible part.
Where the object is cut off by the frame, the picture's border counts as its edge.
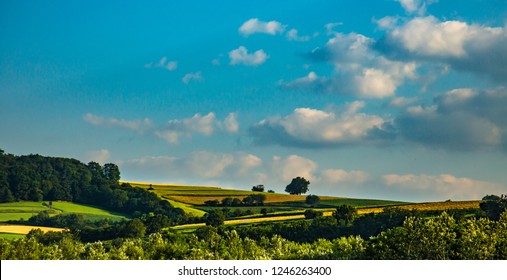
(111, 172)
(227, 201)
(345, 213)
(312, 200)
(213, 202)
(215, 218)
(494, 208)
(299, 185)
(258, 188)
(312, 214)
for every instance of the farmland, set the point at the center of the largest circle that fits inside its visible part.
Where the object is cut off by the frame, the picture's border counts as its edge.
(192, 198)
(27, 209)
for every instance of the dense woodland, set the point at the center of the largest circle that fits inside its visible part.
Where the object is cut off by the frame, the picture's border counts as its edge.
(39, 178)
(392, 234)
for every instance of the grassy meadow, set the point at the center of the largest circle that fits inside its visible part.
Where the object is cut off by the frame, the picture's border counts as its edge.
(26, 209)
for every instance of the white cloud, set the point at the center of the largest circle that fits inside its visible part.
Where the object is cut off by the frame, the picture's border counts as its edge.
(463, 46)
(331, 26)
(205, 125)
(254, 25)
(416, 6)
(136, 125)
(292, 35)
(315, 128)
(175, 129)
(444, 185)
(387, 23)
(100, 156)
(163, 63)
(196, 76)
(401, 101)
(293, 166)
(241, 56)
(339, 176)
(359, 70)
(231, 123)
(199, 167)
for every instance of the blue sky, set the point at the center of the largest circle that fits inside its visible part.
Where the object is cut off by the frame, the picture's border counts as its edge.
(387, 99)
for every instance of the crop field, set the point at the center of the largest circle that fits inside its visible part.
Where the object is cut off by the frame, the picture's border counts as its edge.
(25, 210)
(21, 229)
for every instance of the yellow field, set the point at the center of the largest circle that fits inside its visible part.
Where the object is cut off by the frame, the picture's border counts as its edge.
(20, 229)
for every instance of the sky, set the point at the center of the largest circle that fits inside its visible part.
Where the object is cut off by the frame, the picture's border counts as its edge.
(388, 99)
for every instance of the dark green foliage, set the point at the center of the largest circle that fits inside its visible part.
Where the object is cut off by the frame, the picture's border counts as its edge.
(258, 188)
(345, 214)
(491, 197)
(213, 202)
(227, 202)
(254, 200)
(312, 200)
(494, 206)
(299, 185)
(37, 178)
(215, 218)
(312, 214)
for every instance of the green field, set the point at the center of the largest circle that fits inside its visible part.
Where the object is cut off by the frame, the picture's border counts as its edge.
(26, 209)
(11, 236)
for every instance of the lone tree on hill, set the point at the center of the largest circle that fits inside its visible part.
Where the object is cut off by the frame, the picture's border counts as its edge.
(299, 185)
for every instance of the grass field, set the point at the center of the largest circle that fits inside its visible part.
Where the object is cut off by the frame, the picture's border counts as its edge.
(26, 209)
(11, 236)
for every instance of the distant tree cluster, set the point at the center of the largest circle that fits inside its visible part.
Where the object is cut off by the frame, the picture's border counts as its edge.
(251, 200)
(37, 178)
(258, 188)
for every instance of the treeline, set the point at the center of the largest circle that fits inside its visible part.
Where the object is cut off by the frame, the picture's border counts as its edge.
(37, 178)
(336, 226)
(436, 238)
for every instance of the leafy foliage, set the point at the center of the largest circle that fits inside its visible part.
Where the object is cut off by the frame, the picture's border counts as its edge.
(299, 185)
(37, 178)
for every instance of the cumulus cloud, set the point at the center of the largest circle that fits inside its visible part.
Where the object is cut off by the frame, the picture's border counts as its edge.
(231, 123)
(442, 186)
(467, 47)
(136, 125)
(461, 119)
(292, 35)
(254, 25)
(339, 176)
(100, 156)
(196, 76)
(241, 56)
(203, 167)
(415, 6)
(205, 125)
(307, 127)
(163, 63)
(293, 166)
(359, 69)
(401, 102)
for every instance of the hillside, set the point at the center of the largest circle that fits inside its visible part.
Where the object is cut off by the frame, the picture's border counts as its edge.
(192, 199)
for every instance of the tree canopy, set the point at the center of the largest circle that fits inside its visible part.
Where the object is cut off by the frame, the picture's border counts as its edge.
(299, 185)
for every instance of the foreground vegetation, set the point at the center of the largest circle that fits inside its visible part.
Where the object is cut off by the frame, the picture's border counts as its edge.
(71, 210)
(442, 237)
